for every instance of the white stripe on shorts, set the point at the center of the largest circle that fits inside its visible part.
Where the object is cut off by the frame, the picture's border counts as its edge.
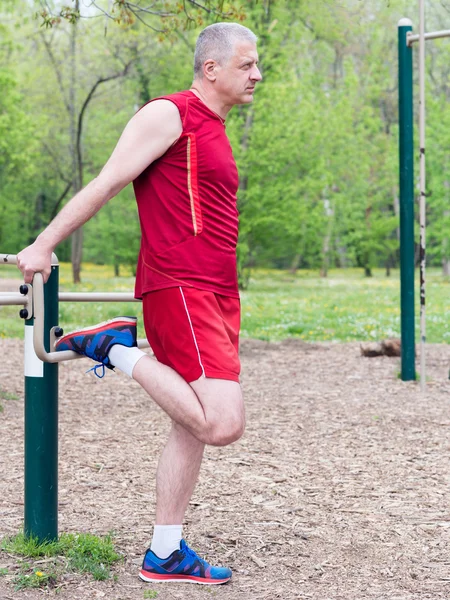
(193, 333)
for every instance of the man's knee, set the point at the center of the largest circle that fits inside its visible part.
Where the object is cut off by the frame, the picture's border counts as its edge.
(225, 432)
(224, 410)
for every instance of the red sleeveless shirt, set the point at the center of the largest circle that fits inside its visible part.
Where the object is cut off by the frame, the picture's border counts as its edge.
(187, 208)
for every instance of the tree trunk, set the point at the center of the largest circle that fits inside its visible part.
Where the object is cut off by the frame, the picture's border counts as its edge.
(388, 267)
(446, 267)
(341, 252)
(243, 181)
(325, 252)
(77, 236)
(300, 251)
(242, 269)
(295, 263)
(367, 252)
(77, 253)
(445, 246)
(329, 213)
(325, 260)
(75, 182)
(396, 203)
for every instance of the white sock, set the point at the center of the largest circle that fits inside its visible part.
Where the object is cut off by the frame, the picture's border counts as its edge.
(125, 358)
(166, 539)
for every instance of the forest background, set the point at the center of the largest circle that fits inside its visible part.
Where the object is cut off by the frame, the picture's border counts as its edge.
(317, 151)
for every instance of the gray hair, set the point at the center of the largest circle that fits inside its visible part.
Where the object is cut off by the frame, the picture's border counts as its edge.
(217, 42)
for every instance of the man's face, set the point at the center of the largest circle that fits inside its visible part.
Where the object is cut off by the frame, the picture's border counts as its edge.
(237, 78)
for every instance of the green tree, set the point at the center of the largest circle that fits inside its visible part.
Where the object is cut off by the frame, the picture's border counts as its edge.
(17, 154)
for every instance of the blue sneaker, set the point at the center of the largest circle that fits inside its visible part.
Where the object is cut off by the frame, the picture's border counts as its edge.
(95, 342)
(182, 565)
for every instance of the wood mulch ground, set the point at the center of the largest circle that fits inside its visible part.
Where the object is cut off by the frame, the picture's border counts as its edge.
(340, 488)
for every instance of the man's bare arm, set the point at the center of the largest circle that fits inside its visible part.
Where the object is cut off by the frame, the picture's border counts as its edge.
(148, 135)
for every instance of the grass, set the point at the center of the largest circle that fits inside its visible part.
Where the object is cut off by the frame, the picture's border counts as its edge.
(4, 395)
(27, 577)
(79, 553)
(345, 306)
(7, 395)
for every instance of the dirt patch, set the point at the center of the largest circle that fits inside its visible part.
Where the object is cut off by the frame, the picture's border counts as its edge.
(340, 488)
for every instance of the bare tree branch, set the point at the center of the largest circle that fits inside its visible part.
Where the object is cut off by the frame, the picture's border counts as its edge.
(136, 8)
(139, 18)
(60, 199)
(89, 98)
(208, 10)
(185, 40)
(125, 11)
(56, 163)
(58, 73)
(188, 16)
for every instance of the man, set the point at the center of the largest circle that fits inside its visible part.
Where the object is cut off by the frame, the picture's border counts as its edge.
(176, 153)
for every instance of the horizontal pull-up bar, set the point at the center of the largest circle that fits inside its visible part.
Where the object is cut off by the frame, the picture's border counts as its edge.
(411, 38)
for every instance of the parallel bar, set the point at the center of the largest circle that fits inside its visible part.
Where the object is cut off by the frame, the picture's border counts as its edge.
(11, 259)
(8, 259)
(405, 87)
(422, 200)
(97, 297)
(11, 298)
(38, 333)
(410, 39)
(57, 357)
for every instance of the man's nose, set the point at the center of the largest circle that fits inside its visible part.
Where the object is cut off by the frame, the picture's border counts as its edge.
(256, 74)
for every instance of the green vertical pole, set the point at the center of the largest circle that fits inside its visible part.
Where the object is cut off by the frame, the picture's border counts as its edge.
(41, 426)
(406, 128)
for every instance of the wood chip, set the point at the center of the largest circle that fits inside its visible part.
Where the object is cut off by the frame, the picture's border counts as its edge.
(257, 561)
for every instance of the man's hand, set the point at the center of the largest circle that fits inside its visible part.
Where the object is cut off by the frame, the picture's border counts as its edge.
(35, 259)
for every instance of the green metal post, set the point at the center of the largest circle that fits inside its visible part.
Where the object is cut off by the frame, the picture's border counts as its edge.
(41, 426)
(406, 128)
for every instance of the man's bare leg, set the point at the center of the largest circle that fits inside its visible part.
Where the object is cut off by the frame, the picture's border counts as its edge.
(212, 410)
(181, 459)
(177, 475)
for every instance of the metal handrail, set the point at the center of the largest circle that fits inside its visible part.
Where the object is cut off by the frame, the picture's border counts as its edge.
(97, 297)
(8, 259)
(13, 299)
(38, 330)
(11, 259)
(434, 35)
(34, 300)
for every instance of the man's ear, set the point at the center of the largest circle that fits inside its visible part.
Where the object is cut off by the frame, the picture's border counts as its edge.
(209, 69)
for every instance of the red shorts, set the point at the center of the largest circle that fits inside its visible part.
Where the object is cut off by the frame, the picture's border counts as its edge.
(194, 332)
